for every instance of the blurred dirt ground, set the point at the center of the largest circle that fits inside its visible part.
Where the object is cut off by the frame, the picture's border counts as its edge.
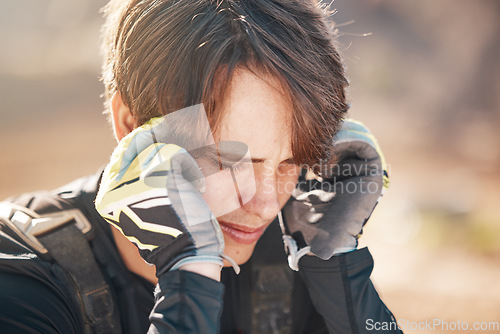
(426, 81)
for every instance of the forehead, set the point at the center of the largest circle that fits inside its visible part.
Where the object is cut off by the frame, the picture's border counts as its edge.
(257, 112)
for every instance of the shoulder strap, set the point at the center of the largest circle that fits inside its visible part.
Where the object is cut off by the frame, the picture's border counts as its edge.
(62, 237)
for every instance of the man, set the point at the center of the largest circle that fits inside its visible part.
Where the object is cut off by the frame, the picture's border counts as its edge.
(218, 107)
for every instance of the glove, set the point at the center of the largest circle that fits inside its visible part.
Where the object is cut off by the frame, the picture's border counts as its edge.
(151, 192)
(325, 216)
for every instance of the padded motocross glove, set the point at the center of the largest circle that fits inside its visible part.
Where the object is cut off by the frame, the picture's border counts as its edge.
(325, 215)
(151, 192)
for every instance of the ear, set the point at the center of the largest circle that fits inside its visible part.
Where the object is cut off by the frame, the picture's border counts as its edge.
(123, 120)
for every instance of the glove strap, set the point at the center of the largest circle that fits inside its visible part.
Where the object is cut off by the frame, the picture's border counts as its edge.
(294, 254)
(233, 263)
(291, 247)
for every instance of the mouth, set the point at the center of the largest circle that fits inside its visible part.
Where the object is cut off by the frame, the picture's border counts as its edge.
(240, 233)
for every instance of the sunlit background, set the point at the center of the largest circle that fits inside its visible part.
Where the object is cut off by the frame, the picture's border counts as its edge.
(424, 77)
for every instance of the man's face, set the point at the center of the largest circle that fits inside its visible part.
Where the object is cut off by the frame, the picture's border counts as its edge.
(255, 112)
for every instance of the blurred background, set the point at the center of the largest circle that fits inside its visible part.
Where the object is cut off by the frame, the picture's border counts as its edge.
(425, 77)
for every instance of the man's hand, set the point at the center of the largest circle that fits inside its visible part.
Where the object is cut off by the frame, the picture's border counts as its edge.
(325, 216)
(150, 192)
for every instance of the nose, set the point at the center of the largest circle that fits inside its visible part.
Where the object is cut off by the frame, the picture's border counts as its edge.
(265, 202)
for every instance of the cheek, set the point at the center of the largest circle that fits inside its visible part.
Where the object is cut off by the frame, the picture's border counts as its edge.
(220, 194)
(226, 191)
(287, 178)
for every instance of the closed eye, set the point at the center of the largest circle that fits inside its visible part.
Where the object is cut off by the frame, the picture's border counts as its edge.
(224, 164)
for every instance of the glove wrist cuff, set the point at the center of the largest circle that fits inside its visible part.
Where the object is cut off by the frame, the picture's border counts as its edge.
(206, 259)
(198, 258)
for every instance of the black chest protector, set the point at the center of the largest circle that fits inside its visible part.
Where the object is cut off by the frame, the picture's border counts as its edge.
(266, 297)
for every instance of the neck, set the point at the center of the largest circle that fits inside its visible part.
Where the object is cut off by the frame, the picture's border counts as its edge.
(132, 259)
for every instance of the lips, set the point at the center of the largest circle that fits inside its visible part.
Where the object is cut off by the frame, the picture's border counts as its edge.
(240, 233)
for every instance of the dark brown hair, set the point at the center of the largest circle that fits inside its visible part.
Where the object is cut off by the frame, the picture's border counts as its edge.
(164, 55)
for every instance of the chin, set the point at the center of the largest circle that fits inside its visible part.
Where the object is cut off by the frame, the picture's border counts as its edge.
(240, 253)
